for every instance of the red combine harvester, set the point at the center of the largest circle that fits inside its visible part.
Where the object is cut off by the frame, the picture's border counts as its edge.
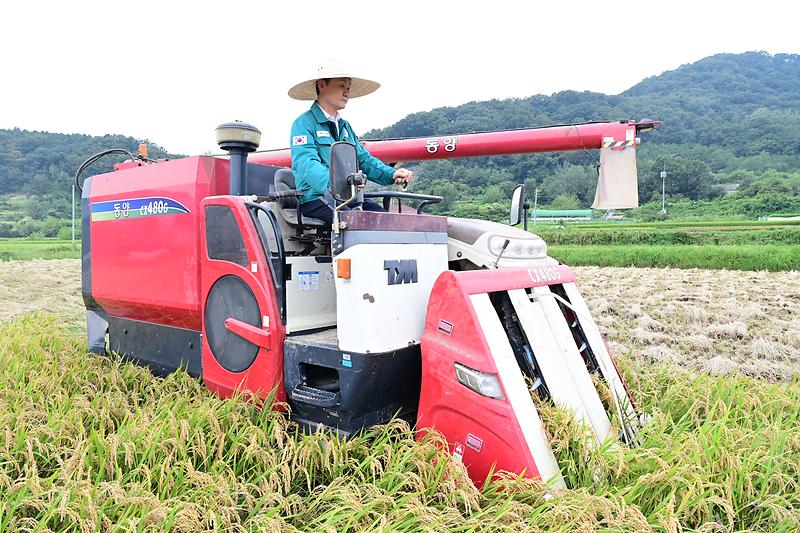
(205, 264)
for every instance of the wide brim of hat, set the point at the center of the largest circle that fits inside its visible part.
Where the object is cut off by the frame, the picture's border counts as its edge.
(306, 90)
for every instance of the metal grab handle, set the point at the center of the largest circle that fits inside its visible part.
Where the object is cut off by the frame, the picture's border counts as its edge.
(427, 199)
(278, 264)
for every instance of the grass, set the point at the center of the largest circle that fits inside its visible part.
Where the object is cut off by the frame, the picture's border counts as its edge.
(789, 236)
(13, 207)
(720, 224)
(24, 249)
(88, 443)
(745, 257)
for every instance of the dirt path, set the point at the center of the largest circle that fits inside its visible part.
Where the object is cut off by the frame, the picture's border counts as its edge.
(702, 319)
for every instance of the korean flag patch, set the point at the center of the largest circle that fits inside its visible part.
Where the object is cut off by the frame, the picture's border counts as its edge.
(297, 140)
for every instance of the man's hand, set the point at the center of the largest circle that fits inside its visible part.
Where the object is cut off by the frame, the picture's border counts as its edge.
(403, 176)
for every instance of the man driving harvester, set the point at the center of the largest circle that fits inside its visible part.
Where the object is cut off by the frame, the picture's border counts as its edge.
(317, 129)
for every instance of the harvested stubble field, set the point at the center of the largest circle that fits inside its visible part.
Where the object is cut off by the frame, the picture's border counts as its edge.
(89, 444)
(718, 320)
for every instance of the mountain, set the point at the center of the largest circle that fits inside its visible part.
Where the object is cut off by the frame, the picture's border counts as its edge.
(747, 103)
(34, 161)
(728, 117)
(37, 171)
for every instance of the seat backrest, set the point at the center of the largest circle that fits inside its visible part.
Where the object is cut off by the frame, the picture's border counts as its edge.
(284, 181)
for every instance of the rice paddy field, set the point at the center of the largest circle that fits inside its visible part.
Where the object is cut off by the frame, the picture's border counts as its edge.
(90, 444)
(20, 249)
(755, 257)
(742, 245)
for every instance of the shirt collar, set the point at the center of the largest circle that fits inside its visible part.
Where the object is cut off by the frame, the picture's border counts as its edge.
(327, 117)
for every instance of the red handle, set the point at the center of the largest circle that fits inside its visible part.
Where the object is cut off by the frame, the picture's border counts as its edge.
(258, 336)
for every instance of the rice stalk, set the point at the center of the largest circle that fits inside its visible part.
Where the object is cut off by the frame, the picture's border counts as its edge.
(91, 443)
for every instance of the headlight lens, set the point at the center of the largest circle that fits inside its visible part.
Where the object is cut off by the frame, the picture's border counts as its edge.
(483, 383)
(518, 248)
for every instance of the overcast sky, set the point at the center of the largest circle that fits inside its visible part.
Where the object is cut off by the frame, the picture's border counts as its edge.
(171, 71)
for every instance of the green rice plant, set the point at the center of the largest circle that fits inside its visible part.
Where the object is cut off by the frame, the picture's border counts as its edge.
(750, 257)
(720, 453)
(24, 249)
(717, 224)
(723, 236)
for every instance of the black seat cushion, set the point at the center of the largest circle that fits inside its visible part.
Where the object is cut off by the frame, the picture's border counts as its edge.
(284, 181)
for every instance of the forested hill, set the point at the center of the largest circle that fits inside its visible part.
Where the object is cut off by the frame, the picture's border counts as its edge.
(728, 118)
(748, 103)
(33, 161)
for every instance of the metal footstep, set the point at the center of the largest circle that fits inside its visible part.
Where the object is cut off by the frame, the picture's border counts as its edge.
(313, 396)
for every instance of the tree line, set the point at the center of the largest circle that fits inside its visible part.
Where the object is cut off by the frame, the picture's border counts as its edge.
(727, 119)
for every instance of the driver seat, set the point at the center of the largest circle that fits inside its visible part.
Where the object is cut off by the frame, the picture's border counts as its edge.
(288, 205)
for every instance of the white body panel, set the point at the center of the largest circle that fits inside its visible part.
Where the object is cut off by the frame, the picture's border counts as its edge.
(310, 295)
(481, 243)
(516, 390)
(600, 351)
(374, 316)
(561, 364)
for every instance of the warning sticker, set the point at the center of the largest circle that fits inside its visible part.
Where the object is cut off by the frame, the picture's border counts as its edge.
(308, 281)
(458, 452)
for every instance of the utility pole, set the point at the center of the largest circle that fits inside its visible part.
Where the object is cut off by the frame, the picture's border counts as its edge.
(73, 216)
(535, 204)
(663, 189)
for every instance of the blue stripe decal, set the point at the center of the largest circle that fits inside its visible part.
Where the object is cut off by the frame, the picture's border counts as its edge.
(136, 208)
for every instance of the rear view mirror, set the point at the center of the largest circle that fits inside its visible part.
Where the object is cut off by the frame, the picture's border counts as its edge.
(344, 164)
(517, 205)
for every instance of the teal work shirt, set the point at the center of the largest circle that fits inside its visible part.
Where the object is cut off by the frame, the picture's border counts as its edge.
(312, 137)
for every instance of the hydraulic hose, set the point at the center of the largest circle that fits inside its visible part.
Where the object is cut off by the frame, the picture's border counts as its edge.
(98, 156)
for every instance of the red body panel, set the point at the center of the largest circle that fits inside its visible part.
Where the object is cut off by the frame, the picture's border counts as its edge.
(464, 417)
(266, 372)
(550, 139)
(147, 267)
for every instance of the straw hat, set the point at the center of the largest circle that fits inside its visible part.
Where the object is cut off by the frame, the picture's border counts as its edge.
(331, 68)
